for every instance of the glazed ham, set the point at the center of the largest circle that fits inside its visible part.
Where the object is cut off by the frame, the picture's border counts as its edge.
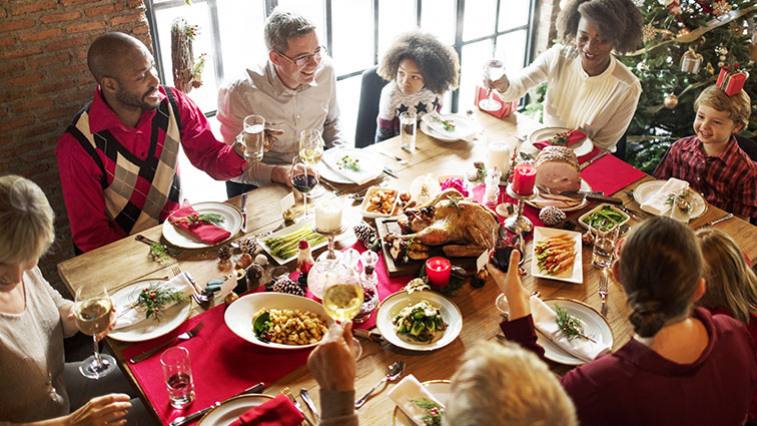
(557, 170)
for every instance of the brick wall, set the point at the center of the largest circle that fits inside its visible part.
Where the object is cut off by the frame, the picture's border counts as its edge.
(44, 81)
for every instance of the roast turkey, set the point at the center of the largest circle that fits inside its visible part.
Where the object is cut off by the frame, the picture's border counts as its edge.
(464, 228)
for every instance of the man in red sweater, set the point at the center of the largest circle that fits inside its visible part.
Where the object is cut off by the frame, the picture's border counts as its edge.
(118, 159)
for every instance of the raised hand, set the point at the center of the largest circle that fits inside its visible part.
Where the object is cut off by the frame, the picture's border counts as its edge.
(501, 84)
(332, 362)
(510, 284)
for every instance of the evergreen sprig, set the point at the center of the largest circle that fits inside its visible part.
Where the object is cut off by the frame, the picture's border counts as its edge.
(433, 411)
(155, 298)
(570, 326)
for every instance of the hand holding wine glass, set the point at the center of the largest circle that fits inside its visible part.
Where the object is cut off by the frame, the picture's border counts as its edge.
(93, 311)
(494, 71)
(342, 300)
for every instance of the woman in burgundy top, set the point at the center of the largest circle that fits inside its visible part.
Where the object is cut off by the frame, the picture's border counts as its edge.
(731, 284)
(683, 365)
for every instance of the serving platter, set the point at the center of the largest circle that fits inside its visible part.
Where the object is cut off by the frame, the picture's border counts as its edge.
(575, 273)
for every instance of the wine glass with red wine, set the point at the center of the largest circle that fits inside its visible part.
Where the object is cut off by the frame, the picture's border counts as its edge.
(303, 178)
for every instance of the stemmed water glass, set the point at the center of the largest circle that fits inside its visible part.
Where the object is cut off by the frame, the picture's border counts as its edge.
(92, 310)
(494, 69)
(303, 178)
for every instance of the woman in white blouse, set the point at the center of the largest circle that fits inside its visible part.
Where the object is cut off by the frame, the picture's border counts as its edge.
(36, 386)
(587, 87)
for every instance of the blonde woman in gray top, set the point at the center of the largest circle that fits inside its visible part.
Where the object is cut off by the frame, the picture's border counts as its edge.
(36, 385)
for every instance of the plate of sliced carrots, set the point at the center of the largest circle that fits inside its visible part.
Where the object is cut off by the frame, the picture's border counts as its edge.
(556, 254)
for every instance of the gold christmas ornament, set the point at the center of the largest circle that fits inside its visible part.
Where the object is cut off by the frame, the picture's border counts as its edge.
(670, 101)
(648, 32)
(710, 69)
(691, 61)
(721, 7)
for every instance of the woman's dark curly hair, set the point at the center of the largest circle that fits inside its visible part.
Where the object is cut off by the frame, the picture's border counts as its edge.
(618, 20)
(438, 63)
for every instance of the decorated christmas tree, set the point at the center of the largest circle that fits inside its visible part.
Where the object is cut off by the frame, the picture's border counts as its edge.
(686, 42)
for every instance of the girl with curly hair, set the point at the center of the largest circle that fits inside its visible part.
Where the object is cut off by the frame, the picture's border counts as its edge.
(587, 88)
(420, 69)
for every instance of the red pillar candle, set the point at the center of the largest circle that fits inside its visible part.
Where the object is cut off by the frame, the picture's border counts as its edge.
(438, 270)
(524, 177)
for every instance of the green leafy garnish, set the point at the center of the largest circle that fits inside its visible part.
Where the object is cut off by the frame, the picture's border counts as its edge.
(570, 326)
(447, 124)
(433, 411)
(261, 325)
(349, 163)
(159, 253)
(214, 218)
(560, 139)
(154, 298)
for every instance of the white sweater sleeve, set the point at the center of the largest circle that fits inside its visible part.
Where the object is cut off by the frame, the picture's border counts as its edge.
(531, 76)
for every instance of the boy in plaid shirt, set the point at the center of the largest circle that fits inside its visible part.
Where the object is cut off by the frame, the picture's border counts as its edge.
(711, 160)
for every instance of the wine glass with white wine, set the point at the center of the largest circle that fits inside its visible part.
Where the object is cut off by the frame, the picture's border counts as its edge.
(92, 311)
(311, 146)
(494, 70)
(342, 300)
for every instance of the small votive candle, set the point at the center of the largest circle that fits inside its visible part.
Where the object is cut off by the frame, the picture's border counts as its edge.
(499, 156)
(524, 178)
(328, 216)
(438, 270)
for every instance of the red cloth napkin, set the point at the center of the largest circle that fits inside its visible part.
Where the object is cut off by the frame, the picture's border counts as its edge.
(222, 364)
(277, 412)
(610, 174)
(203, 231)
(574, 137)
(506, 109)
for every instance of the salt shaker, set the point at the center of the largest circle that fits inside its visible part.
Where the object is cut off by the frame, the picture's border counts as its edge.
(369, 282)
(491, 192)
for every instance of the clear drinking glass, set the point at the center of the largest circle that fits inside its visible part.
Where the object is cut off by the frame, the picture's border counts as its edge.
(311, 146)
(408, 127)
(92, 311)
(604, 247)
(177, 372)
(253, 137)
(494, 69)
(303, 178)
(342, 300)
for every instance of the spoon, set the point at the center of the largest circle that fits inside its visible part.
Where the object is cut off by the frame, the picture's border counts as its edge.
(394, 371)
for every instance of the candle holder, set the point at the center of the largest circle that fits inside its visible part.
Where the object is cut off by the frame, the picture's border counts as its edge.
(331, 253)
(516, 222)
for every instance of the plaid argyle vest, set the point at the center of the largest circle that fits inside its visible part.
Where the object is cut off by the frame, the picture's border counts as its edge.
(125, 178)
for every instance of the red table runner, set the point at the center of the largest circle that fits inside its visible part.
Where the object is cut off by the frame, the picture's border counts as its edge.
(223, 364)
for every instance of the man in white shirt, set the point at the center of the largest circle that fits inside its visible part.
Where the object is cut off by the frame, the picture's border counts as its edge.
(294, 90)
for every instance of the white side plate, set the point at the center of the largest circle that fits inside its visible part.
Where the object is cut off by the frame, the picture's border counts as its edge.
(232, 409)
(464, 128)
(232, 222)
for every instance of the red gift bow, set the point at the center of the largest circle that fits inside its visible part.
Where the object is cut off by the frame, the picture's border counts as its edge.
(278, 411)
(205, 232)
(574, 137)
(731, 81)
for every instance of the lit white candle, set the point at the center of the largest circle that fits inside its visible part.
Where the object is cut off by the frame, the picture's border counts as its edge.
(328, 215)
(499, 156)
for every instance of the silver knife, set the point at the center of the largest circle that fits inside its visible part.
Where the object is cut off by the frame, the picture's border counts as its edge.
(305, 395)
(593, 159)
(182, 420)
(244, 212)
(714, 222)
(390, 172)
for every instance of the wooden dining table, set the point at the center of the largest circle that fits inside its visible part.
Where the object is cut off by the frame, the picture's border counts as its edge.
(124, 261)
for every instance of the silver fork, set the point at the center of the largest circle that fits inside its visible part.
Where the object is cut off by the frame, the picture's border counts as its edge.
(296, 403)
(180, 338)
(197, 295)
(603, 287)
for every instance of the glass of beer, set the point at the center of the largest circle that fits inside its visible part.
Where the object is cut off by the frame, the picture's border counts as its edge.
(92, 311)
(253, 137)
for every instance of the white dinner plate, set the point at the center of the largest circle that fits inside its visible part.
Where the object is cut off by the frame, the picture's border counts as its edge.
(373, 165)
(151, 328)
(240, 314)
(441, 389)
(232, 409)
(580, 149)
(538, 199)
(645, 190)
(464, 128)
(573, 275)
(232, 222)
(595, 326)
(393, 304)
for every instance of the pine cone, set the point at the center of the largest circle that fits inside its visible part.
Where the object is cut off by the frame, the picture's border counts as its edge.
(366, 235)
(248, 245)
(285, 285)
(224, 253)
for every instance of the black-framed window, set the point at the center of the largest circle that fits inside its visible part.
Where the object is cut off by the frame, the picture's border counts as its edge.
(355, 33)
